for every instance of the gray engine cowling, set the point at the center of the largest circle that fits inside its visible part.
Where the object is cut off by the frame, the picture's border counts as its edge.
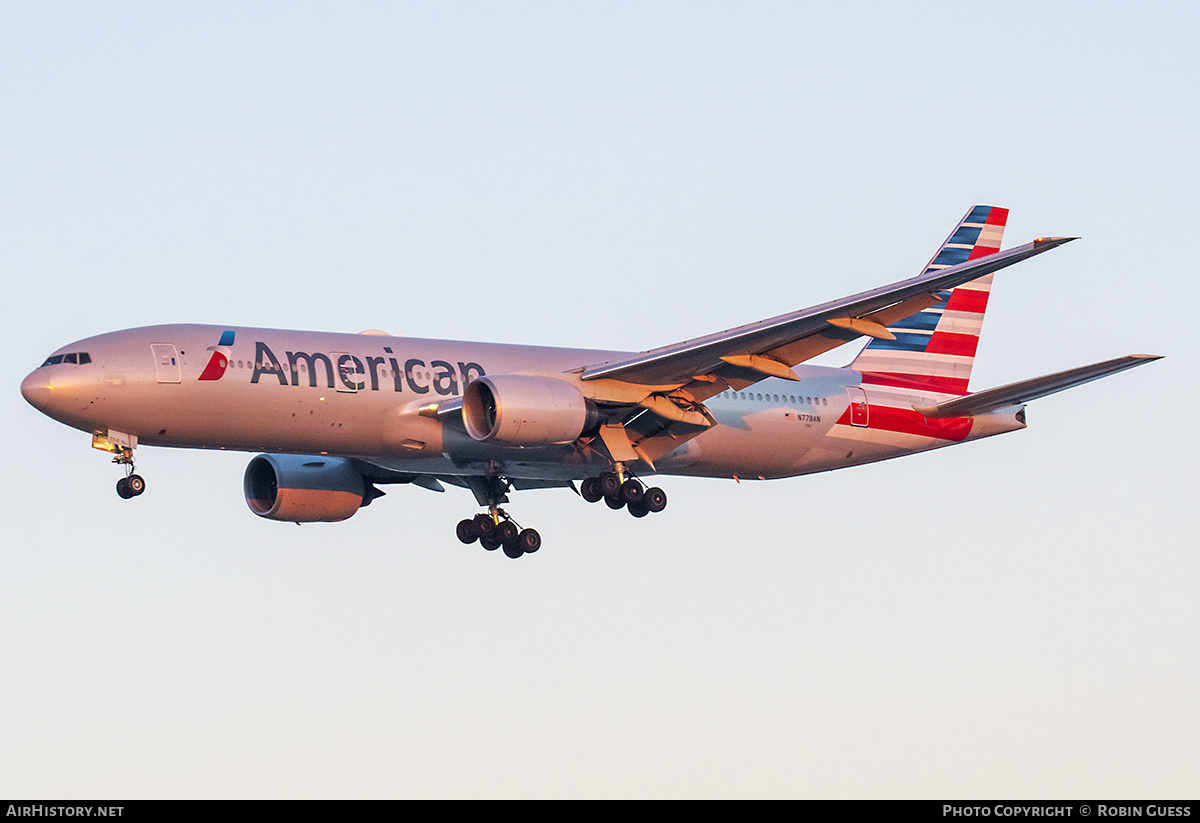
(304, 488)
(526, 410)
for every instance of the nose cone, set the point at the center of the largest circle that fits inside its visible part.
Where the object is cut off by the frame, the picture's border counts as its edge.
(38, 390)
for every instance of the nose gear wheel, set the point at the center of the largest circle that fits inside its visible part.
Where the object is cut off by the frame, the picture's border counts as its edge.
(132, 484)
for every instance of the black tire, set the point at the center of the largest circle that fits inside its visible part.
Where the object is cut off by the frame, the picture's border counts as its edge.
(610, 484)
(513, 550)
(529, 541)
(637, 509)
(490, 543)
(589, 489)
(123, 490)
(484, 524)
(467, 532)
(632, 491)
(655, 499)
(614, 502)
(136, 484)
(506, 532)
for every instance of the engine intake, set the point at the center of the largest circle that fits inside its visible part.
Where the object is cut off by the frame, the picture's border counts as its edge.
(525, 410)
(304, 488)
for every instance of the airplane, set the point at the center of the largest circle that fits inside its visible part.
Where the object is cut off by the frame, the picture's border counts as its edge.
(338, 415)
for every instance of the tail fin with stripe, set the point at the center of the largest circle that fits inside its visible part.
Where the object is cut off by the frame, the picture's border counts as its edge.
(934, 349)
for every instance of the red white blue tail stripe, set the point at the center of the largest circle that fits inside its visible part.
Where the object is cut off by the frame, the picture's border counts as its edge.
(934, 350)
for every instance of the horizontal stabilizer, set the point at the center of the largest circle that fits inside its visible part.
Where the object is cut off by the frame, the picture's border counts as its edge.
(1025, 390)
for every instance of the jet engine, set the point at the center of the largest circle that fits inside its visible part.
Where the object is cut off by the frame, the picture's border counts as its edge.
(525, 410)
(305, 488)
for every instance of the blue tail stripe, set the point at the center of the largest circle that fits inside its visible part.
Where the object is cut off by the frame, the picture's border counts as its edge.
(923, 321)
(952, 257)
(966, 235)
(903, 342)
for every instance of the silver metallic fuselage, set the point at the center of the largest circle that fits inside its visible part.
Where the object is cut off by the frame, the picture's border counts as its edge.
(360, 395)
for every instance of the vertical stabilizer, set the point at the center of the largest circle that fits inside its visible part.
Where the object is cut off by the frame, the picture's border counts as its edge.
(935, 348)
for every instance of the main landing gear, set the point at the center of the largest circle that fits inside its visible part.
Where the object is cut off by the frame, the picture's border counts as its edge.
(495, 530)
(628, 493)
(132, 484)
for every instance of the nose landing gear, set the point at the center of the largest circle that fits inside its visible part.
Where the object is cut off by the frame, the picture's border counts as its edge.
(132, 484)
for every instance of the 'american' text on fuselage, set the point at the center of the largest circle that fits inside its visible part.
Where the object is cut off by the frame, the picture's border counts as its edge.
(443, 377)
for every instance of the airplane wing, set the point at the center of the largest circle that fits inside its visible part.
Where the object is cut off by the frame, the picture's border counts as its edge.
(655, 399)
(771, 347)
(1025, 390)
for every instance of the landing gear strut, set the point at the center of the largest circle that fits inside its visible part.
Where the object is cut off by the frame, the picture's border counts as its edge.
(623, 492)
(132, 484)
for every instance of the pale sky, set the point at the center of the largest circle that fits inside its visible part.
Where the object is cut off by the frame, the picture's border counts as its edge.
(1015, 617)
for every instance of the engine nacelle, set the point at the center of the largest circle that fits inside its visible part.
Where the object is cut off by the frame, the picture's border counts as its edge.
(304, 488)
(524, 410)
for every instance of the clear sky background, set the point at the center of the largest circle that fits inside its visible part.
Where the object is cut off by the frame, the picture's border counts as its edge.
(1016, 617)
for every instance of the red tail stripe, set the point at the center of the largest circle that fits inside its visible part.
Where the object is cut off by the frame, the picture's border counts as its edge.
(981, 251)
(949, 343)
(967, 300)
(921, 382)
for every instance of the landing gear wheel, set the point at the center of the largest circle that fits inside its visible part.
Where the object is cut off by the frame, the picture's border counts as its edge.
(135, 484)
(632, 491)
(466, 531)
(513, 550)
(123, 490)
(484, 525)
(529, 541)
(614, 502)
(490, 543)
(654, 499)
(506, 532)
(609, 483)
(637, 509)
(589, 489)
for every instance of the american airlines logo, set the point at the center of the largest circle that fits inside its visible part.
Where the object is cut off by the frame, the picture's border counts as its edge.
(347, 372)
(219, 361)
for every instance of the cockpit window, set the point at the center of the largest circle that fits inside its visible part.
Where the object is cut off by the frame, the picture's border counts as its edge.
(77, 357)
